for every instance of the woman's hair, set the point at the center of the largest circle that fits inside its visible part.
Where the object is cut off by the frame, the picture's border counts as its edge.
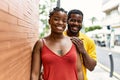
(56, 9)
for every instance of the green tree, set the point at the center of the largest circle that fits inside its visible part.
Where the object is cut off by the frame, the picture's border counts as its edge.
(93, 19)
(91, 28)
(44, 9)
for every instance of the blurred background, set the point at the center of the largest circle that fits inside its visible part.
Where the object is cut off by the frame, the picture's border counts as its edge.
(101, 19)
(23, 22)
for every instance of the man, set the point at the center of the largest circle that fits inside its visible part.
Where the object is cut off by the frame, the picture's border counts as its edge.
(85, 45)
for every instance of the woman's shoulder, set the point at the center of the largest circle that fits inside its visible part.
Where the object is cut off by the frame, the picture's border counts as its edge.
(39, 43)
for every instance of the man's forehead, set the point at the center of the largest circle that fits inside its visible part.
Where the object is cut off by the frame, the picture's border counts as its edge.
(75, 15)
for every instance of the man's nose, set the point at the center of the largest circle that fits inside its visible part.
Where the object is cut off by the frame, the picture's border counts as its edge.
(76, 23)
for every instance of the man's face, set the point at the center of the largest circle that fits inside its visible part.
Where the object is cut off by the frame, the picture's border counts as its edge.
(75, 23)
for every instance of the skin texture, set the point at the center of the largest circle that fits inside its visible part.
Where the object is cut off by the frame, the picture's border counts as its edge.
(56, 42)
(74, 26)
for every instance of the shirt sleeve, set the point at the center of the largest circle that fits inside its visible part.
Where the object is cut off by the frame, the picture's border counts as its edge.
(92, 49)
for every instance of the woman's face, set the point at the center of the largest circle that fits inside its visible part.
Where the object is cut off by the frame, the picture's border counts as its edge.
(58, 21)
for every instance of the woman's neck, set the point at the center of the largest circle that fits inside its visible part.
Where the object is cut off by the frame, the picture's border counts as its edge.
(56, 36)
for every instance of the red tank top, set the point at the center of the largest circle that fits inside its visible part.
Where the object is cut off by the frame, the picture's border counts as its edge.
(59, 67)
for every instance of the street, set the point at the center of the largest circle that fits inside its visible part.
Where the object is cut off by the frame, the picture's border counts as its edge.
(103, 58)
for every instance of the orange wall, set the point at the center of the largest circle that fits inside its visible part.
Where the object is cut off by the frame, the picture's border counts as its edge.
(18, 33)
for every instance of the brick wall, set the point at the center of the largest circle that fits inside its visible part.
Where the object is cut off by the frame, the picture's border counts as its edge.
(18, 33)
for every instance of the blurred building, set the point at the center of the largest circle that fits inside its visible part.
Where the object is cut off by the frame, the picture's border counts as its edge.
(111, 21)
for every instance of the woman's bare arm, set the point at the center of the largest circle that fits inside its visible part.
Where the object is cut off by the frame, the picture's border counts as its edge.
(79, 68)
(36, 61)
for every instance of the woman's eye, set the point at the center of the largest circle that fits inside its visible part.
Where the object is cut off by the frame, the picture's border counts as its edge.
(56, 19)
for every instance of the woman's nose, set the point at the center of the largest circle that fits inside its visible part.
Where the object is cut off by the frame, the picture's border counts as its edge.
(60, 22)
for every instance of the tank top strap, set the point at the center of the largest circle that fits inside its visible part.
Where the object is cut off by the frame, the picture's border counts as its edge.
(43, 42)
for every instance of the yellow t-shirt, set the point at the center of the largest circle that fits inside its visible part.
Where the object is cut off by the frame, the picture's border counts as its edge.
(90, 48)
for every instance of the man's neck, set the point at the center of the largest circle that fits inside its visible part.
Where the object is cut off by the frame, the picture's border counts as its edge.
(71, 34)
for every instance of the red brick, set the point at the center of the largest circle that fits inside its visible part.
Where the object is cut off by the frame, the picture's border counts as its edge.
(18, 34)
(3, 5)
(4, 45)
(7, 27)
(12, 36)
(4, 26)
(7, 18)
(14, 7)
(24, 23)
(16, 64)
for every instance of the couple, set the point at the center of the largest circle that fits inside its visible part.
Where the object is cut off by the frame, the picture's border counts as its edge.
(62, 57)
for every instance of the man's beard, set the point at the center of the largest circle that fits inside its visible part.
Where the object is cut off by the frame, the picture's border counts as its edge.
(74, 32)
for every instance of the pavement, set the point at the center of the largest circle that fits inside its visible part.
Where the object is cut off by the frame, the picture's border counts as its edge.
(100, 73)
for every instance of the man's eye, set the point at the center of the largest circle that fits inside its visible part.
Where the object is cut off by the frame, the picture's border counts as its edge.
(79, 21)
(72, 20)
(56, 19)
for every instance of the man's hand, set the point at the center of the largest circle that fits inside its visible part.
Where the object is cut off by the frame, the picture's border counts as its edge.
(79, 44)
(88, 62)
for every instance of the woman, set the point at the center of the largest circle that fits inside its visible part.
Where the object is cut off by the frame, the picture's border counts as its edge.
(56, 52)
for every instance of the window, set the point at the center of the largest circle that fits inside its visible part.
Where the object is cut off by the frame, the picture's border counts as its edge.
(117, 40)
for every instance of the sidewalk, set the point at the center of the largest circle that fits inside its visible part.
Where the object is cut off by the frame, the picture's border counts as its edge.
(100, 74)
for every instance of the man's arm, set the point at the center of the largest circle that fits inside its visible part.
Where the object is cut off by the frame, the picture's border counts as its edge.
(88, 62)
